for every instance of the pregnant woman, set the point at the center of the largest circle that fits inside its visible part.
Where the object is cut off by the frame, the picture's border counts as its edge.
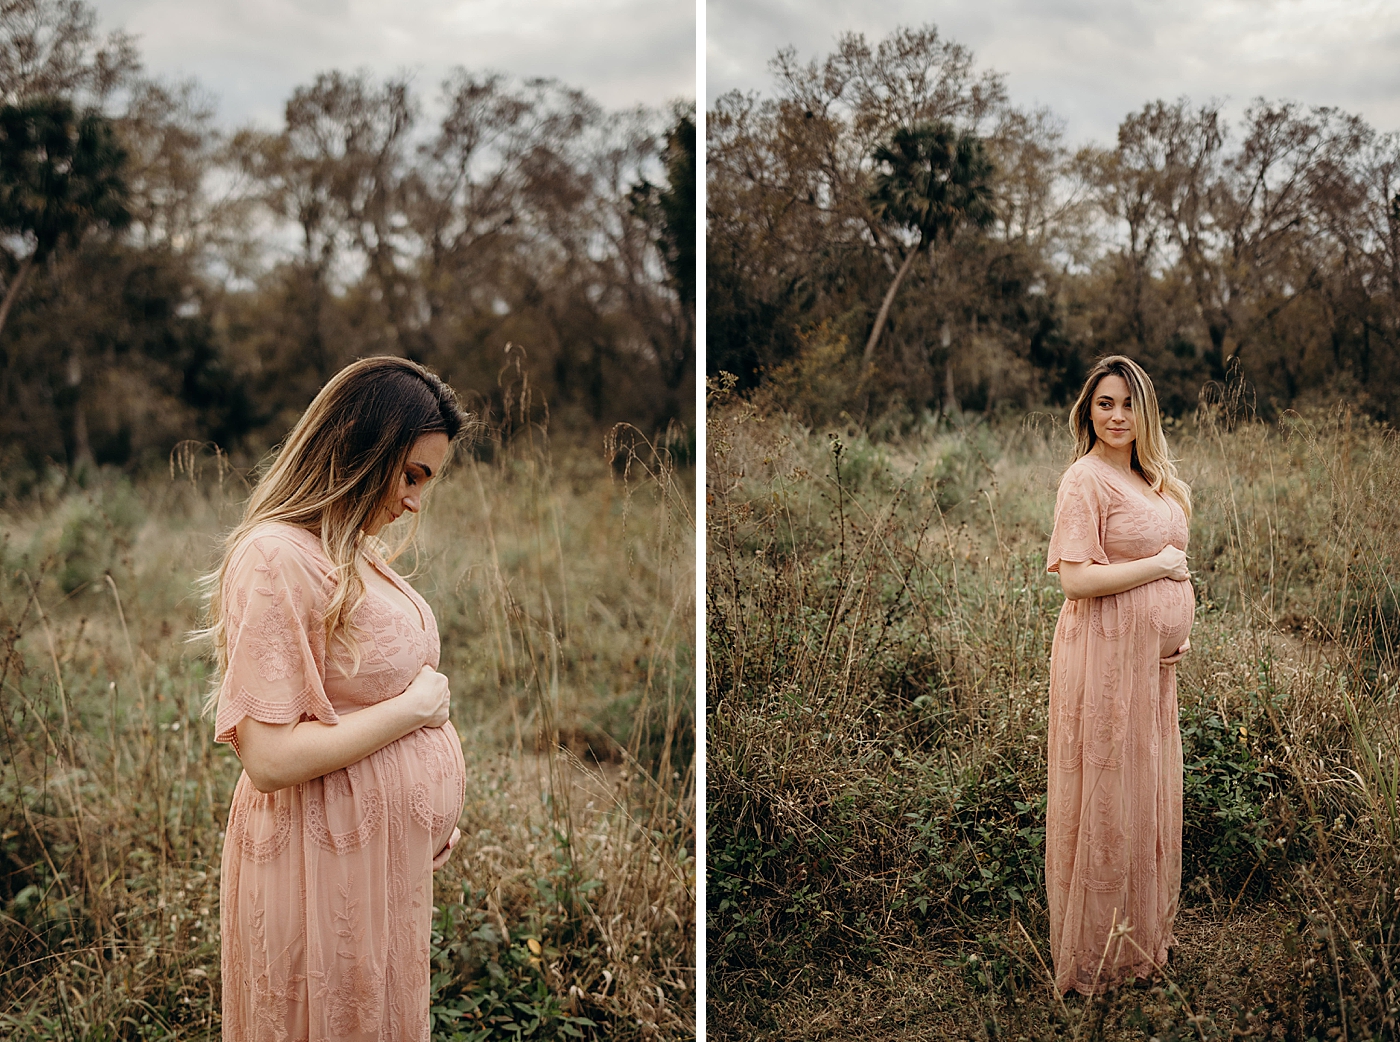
(353, 777)
(1113, 817)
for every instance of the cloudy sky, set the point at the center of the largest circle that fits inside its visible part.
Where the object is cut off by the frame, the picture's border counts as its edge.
(1094, 61)
(252, 53)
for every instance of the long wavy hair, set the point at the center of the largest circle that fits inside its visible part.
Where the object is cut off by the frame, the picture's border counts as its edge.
(332, 473)
(1151, 457)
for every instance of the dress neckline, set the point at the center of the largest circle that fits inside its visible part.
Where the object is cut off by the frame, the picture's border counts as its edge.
(314, 543)
(397, 583)
(1143, 496)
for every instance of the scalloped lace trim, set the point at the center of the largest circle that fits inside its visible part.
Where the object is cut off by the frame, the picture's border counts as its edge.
(308, 702)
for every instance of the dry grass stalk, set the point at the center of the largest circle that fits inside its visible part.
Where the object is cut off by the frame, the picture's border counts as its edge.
(880, 623)
(564, 592)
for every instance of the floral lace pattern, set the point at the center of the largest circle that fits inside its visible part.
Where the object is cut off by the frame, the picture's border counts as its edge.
(260, 850)
(325, 900)
(1113, 813)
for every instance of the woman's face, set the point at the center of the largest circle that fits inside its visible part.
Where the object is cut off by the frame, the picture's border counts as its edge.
(425, 460)
(1112, 412)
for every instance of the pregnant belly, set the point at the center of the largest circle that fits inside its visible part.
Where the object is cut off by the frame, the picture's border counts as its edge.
(436, 778)
(1171, 608)
(418, 780)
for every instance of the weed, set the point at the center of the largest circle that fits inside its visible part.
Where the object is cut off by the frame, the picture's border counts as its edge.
(879, 641)
(563, 587)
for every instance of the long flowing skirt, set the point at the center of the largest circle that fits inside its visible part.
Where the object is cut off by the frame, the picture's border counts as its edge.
(1113, 814)
(326, 897)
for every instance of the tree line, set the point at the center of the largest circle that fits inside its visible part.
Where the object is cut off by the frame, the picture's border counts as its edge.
(165, 279)
(889, 237)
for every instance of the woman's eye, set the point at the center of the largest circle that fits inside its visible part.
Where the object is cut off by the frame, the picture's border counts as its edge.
(411, 479)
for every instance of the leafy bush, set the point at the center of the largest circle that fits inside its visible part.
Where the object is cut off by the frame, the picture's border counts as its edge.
(1232, 801)
(487, 985)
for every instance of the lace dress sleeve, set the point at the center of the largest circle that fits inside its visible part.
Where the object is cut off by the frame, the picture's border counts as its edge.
(276, 643)
(1079, 518)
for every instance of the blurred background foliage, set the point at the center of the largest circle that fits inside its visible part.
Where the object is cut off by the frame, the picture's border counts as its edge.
(1193, 242)
(166, 278)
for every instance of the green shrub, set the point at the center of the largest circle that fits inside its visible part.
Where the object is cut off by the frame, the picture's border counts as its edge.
(489, 986)
(1229, 795)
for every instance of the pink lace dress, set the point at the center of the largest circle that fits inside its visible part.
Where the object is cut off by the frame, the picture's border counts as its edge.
(325, 904)
(1113, 815)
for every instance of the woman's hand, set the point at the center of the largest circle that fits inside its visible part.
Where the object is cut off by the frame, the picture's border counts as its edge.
(429, 696)
(1173, 562)
(442, 855)
(1177, 655)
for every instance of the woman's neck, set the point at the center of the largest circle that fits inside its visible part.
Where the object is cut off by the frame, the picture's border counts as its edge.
(1119, 459)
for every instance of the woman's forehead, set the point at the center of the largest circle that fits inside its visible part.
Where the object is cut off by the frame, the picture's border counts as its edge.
(430, 449)
(1112, 385)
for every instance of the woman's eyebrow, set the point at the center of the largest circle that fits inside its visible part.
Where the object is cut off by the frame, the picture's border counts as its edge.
(427, 470)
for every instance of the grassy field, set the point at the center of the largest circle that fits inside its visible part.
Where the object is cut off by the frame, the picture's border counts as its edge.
(879, 623)
(564, 589)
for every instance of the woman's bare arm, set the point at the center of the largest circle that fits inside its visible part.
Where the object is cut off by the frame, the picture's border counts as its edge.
(278, 755)
(1081, 579)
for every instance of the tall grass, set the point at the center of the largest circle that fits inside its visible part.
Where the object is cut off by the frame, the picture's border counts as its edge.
(563, 587)
(879, 622)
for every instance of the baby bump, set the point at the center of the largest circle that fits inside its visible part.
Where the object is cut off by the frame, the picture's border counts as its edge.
(1171, 608)
(420, 777)
(435, 779)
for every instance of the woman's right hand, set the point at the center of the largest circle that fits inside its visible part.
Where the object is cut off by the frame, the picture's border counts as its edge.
(429, 694)
(1173, 562)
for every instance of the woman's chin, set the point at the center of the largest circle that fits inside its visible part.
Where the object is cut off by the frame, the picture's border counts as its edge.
(380, 523)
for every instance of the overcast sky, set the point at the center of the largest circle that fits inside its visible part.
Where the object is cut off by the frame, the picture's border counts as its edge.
(1094, 61)
(251, 53)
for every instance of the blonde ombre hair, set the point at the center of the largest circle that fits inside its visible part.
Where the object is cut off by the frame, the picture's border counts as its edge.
(333, 472)
(1151, 457)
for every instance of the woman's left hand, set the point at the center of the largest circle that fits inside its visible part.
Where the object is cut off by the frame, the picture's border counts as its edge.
(446, 852)
(1175, 658)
